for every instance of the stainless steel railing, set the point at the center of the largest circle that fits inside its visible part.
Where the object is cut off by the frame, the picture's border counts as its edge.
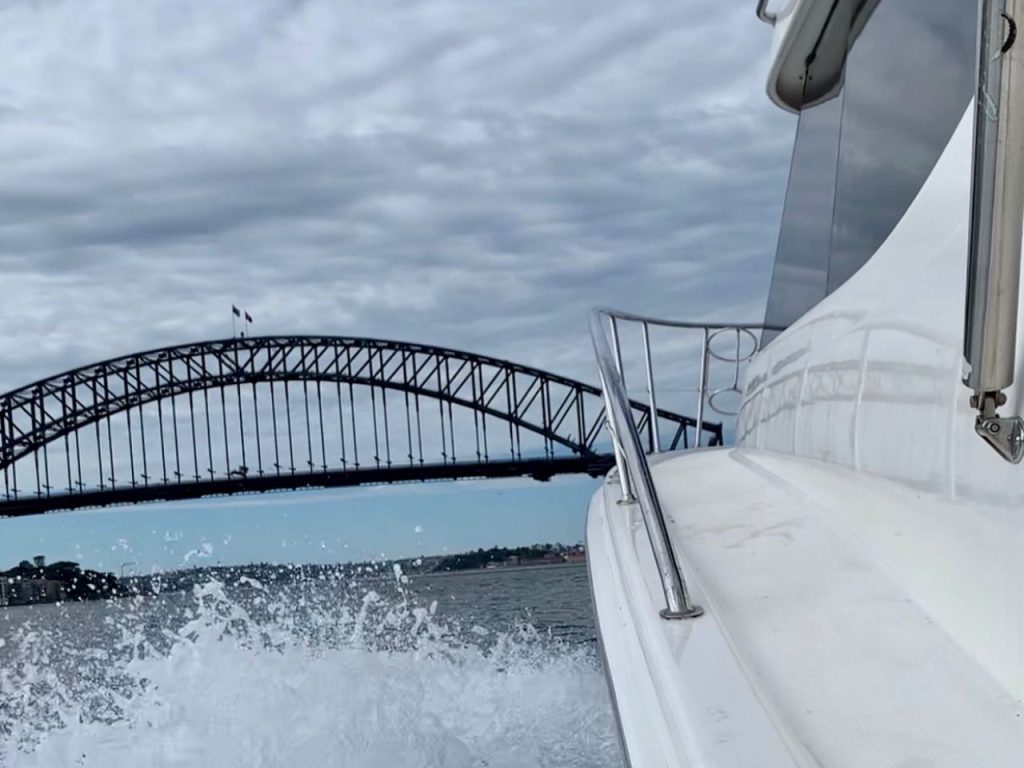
(633, 471)
(764, 14)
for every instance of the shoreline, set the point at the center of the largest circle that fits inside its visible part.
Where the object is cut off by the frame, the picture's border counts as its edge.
(500, 569)
(382, 575)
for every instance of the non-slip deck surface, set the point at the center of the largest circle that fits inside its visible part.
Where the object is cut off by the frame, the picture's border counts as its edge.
(880, 627)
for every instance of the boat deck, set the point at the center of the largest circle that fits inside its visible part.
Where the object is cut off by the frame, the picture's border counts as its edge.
(851, 621)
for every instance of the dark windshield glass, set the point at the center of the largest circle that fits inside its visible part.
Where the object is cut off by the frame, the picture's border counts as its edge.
(909, 78)
(861, 158)
(800, 277)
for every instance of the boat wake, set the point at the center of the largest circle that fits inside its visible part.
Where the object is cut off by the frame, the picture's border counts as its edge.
(244, 675)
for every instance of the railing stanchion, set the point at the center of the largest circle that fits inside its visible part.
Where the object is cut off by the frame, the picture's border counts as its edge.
(702, 385)
(652, 399)
(617, 349)
(620, 458)
(624, 479)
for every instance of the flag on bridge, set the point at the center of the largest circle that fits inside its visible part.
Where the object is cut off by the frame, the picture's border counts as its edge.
(236, 311)
(248, 317)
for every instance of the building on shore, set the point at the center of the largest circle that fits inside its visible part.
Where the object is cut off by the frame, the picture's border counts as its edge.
(35, 581)
(15, 590)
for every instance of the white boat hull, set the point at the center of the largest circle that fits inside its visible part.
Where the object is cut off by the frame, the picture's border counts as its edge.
(858, 555)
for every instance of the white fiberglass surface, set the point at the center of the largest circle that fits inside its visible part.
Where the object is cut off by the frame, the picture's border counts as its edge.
(838, 611)
(871, 377)
(312, 673)
(683, 700)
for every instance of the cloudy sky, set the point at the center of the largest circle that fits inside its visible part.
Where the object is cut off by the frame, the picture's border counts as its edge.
(463, 173)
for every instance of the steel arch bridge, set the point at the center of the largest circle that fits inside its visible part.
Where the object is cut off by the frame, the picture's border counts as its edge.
(261, 414)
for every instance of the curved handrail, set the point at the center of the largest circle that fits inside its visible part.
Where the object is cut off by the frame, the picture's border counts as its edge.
(635, 318)
(764, 14)
(631, 461)
(634, 473)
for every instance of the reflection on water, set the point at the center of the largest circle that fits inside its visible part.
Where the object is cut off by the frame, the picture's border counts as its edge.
(467, 669)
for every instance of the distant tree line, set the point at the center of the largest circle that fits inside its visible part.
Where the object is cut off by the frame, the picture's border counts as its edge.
(83, 584)
(465, 561)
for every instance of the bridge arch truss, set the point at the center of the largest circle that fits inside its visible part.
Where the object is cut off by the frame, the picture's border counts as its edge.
(268, 413)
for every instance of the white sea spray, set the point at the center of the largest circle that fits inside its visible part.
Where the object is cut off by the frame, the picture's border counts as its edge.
(298, 676)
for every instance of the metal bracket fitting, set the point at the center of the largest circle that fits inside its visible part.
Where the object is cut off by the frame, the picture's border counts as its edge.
(1005, 435)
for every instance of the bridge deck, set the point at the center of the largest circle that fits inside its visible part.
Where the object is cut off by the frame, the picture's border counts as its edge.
(542, 469)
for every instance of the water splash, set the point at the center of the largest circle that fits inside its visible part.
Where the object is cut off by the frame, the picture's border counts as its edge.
(243, 674)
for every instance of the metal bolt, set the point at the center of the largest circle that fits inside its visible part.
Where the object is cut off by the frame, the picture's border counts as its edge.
(993, 428)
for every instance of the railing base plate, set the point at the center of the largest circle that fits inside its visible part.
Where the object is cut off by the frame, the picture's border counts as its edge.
(691, 613)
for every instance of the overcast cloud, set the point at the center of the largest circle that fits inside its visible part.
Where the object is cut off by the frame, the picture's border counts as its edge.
(468, 173)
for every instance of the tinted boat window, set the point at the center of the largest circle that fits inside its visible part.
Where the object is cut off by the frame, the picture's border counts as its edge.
(860, 158)
(908, 81)
(800, 277)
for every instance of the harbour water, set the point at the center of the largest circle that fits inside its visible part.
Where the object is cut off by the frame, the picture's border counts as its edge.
(467, 669)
